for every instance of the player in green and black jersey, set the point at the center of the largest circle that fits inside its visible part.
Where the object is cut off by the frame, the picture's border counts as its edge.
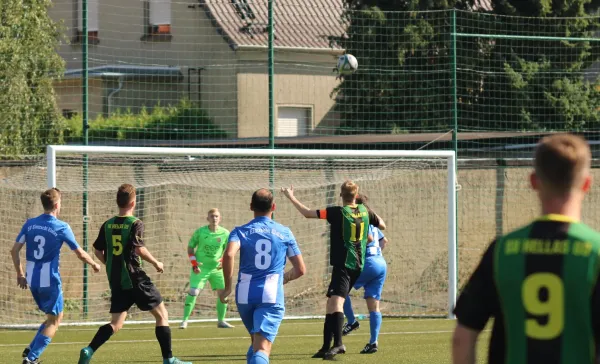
(120, 246)
(540, 282)
(349, 237)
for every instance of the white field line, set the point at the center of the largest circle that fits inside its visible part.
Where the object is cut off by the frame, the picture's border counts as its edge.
(232, 338)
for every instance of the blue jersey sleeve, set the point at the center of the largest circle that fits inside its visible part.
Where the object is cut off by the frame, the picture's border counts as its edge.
(292, 246)
(21, 236)
(234, 237)
(69, 238)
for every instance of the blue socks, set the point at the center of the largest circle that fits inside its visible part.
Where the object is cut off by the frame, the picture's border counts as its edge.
(348, 311)
(38, 345)
(375, 325)
(249, 354)
(41, 328)
(259, 358)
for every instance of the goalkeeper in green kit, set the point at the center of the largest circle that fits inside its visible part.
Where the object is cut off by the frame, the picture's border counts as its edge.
(205, 250)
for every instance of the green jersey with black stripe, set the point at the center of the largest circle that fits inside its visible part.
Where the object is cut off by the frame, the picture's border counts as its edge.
(118, 238)
(540, 283)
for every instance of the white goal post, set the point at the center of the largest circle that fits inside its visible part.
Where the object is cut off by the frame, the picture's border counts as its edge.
(447, 160)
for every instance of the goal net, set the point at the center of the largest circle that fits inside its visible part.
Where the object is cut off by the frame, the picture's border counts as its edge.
(412, 191)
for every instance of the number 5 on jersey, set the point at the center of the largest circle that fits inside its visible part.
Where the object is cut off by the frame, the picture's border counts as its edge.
(117, 245)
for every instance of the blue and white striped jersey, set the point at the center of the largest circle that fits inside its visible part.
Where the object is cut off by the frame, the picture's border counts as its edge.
(44, 236)
(373, 247)
(264, 247)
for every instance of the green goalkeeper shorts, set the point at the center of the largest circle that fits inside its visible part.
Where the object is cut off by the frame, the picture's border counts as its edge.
(214, 277)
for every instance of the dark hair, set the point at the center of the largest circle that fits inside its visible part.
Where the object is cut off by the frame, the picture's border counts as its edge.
(50, 198)
(561, 161)
(262, 200)
(125, 195)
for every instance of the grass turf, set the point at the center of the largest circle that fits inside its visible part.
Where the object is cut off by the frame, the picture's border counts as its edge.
(400, 341)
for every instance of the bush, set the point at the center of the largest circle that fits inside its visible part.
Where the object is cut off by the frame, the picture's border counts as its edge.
(186, 121)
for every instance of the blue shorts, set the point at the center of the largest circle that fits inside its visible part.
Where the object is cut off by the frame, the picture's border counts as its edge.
(262, 318)
(372, 277)
(49, 299)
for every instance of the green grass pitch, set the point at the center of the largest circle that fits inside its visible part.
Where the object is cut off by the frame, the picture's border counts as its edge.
(400, 341)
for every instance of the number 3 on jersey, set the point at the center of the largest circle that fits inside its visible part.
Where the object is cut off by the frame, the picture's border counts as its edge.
(262, 259)
(39, 252)
(117, 245)
(552, 307)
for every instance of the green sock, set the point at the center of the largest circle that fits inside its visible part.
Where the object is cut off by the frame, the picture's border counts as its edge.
(221, 310)
(190, 302)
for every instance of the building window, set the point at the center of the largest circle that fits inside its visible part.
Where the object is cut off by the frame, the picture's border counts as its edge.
(158, 20)
(93, 27)
(293, 121)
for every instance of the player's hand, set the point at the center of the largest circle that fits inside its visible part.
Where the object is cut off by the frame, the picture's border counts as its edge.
(224, 294)
(22, 282)
(96, 267)
(288, 191)
(159, 267)
(196, 269)
(220, 265)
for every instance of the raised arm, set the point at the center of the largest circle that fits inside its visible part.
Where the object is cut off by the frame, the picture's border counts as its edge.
(305, 211)
(14, 252)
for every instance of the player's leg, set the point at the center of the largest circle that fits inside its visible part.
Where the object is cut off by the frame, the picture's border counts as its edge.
(267, 319)
(50, 301)
(329, 325)
(335, 304)
(148, 298)
(217, 282)
(36, 298)
(352, 324)
(197, 281)
(373, 295)
(120, 302)
(247, 315)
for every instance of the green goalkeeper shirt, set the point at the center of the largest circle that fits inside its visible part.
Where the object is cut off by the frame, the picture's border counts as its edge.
(209, 245)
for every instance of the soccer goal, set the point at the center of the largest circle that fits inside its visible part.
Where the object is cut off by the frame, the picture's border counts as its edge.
(413, 191)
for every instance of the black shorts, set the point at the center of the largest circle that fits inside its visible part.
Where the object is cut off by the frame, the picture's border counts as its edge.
(143, 294)
(342, 281)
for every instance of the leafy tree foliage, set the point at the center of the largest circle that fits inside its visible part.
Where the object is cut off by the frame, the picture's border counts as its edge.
(406, 69)
(29, 117)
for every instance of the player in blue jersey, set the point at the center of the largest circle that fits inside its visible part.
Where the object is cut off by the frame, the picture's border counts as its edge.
(264, 246)
(43, 237)
(371, 278)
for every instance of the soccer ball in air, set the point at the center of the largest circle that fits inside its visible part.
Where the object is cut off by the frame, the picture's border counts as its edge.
(346, 65)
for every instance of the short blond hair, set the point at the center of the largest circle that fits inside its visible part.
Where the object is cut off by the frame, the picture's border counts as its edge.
(50, 198)
(213, 210)
(562, 161)
(349, 191)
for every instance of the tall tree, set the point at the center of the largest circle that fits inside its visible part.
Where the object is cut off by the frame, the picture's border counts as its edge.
(404, 82)
(29, 63)
(539, 83)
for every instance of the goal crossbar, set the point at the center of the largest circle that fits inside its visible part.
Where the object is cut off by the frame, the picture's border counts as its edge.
(450, 156)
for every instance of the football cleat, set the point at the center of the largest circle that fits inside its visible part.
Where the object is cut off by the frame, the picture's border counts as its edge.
(224, 325)
(348, 328)
(183, 325)
(85, 355)
(369, 349)
(330, 355)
